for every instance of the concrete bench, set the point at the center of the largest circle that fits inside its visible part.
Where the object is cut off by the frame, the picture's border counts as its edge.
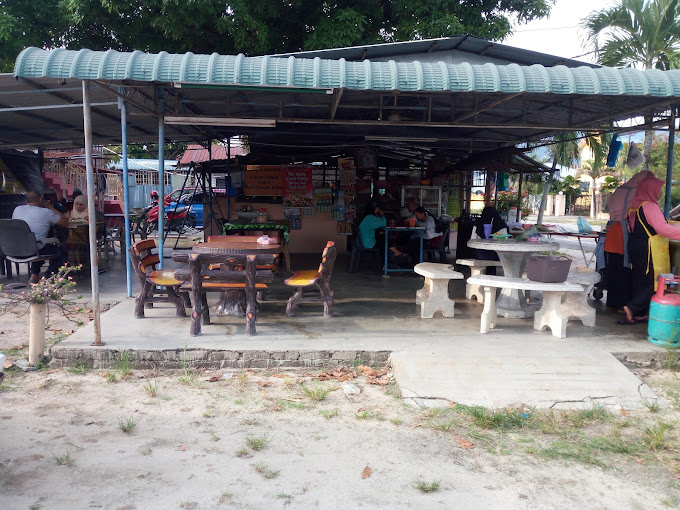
(550, 315)
(477, 267)
(575, 305)
(434, 296)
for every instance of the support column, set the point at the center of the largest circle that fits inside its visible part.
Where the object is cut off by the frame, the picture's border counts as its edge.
(161, 176)
(669, 163)
(126, 192)
(92, 223)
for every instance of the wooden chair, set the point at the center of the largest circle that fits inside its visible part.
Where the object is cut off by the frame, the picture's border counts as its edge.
(144, 260)
(320, 277)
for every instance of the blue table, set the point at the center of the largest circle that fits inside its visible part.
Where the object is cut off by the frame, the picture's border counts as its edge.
(419, 230)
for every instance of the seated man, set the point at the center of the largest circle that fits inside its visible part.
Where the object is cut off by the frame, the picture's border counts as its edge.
(40, 216)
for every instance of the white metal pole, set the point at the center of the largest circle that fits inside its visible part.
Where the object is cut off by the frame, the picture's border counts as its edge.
(92, 223)
(126, 195)
(161, 178)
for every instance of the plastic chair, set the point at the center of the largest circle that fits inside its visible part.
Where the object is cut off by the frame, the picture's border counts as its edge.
(18, 244)
(321, 278)
(359, 249)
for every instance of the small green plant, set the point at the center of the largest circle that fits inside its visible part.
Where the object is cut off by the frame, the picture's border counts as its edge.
(111, 377)
(243, 381)
(363, 415)
(64, 460)
(396, 421)
(257, 443)
(316, 391)
(329, 413)
(262, 468)
(441, 426)
(151, 387)
(243, 452)
(127, 424)
(426, 487)
(671, 360)
(123, 365)
(287, 498)
(78, 368)
(654, 436)
(651, 405)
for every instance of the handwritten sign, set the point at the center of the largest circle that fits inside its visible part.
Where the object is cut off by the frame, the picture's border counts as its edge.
(263, 180)
(297, 186)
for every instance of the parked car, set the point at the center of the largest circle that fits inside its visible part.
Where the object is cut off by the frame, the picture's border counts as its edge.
(188, 197)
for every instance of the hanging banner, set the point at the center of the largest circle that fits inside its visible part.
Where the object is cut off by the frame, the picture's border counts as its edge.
(298, 187)
(263, 180)
(9, 185)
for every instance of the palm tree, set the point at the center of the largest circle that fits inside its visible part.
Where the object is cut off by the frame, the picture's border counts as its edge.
(643, 33)
(596, 167)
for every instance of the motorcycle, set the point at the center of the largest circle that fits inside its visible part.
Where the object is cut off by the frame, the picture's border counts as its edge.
(179, 220)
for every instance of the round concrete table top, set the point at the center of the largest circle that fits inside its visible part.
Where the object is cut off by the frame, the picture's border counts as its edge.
(511, 245)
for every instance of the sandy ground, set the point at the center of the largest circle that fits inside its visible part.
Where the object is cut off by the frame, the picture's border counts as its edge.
(64, 447)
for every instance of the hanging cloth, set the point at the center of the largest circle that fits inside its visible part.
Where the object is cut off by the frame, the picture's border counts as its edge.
(658, 251)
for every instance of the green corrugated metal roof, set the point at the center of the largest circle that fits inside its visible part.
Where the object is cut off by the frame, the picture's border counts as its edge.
(328, 74)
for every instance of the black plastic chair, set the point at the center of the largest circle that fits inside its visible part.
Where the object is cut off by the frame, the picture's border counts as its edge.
(18, 244)
(441, 249)
(358, 249)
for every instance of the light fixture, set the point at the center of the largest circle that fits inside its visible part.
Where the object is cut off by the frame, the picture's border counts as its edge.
(219, 121)
(401, 139)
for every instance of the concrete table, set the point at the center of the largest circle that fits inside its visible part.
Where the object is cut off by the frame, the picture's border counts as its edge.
(434, 296)
(511, 302)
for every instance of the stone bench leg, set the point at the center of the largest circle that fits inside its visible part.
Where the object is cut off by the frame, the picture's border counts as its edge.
(489, 313)
(435, 298)
(576, 306)
(421, 294)
(472, 290)
(550, 316)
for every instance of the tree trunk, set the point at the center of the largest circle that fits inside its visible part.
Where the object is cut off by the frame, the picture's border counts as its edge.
(36, 334)
(546, 191)
(592, 200)
(647, 147)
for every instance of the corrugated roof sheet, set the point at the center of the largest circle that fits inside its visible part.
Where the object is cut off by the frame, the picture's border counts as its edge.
(198, 154)
(320, 73)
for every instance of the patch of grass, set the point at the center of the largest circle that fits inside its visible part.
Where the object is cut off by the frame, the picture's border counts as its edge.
(151, 387)
(654, 436)
(209, 412)
(568, 450)
(251, 421)
(441, 426)
(213, 435)
(287, 498)
(111, 377)
(239, 401)
(396, 421)
(596, 414)
(78, 368)
(242, 381)
(243, 452)
(671, 361)
(329, 413)
(316, 391)
(123, 365)
(651, 405)
(426, 487)
(363, 415)
(616, 445)
(64, 460)
(257, 443)
(499, 419)
(289, 404)
(262, 468)
(127, 424)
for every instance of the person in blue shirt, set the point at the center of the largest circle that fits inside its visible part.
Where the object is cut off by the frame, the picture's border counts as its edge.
(370, 224)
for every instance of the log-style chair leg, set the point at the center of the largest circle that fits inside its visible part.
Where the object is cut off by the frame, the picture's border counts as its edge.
(197, 295)
(177, 301)
(293, 302)
(251, 310)
(206, 309)
(140, 300)
(327, 296)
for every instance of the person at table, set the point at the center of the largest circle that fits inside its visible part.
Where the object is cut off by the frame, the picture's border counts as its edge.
(77, 244)
(617, 264)
(368, 228)
(408, 211)
(41, 216)
(489, 216)
(648, 244)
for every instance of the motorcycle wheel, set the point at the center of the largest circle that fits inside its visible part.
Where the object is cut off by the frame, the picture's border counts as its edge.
(150, 226)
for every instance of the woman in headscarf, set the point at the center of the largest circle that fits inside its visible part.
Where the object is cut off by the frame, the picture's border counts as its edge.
(77, 246)
(617, 265)
(647, 247)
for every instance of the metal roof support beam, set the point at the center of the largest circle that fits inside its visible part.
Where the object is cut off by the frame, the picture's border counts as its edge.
(51, 107)
(669, 163)
(161, 175)
(337, 96)
(126, 194)
(92, 225)
(483, 108)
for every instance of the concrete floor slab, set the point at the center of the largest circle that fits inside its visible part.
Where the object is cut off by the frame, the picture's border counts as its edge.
(434, 360)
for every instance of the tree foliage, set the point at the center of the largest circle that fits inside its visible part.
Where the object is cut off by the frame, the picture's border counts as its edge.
(247, 26)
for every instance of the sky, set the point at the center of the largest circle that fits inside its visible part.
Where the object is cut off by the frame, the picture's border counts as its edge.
(560, 34)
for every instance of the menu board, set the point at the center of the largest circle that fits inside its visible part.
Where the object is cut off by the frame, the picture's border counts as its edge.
(297, 186)
(263, 180)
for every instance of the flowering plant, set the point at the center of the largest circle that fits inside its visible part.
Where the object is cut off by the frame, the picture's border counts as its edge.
(48, 290)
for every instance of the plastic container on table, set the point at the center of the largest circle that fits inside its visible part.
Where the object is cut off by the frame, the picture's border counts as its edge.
(548, 269)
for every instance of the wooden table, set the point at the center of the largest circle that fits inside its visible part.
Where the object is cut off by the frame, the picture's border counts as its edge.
(280, 226)
(513, 256)
(251, 251)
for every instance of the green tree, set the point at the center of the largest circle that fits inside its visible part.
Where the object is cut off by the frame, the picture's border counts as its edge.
(644, 33)
(597, 166)
(247, 26)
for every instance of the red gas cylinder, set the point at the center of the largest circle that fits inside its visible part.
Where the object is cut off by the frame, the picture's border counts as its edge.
(664, 313)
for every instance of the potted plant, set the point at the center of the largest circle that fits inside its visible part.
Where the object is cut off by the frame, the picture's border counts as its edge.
(38, 297)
